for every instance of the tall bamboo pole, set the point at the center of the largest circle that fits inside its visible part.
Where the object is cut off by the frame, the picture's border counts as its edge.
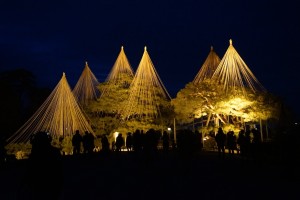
(261, 130)
(175, 138)
(267, 131)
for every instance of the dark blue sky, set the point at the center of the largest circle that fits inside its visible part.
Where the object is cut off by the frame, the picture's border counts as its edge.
(51, 37)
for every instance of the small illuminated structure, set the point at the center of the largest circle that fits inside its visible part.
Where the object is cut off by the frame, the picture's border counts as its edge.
(59, 115)
(86, 89)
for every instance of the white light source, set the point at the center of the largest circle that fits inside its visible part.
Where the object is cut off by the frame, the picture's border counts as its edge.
(169, 129)
(116, 135)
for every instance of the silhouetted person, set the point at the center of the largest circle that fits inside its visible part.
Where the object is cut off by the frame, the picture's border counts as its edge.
(88, 142)
(173, 144)
(256, 144)
(85, 142)
(165, 139)
(198, 140)
(137, 143)
(231, 142)
(113, 145)
(91, 143)
(248, 141)
(241, 141)
(142, 141)
(44, 170)
(186, 142)
(119, 142)
(105, 143)
(220, 139)
(76, 142)
(234, 145)
(147, 141)
(129, 141)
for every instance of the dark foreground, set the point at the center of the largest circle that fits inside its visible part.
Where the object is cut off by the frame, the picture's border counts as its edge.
(161, 176)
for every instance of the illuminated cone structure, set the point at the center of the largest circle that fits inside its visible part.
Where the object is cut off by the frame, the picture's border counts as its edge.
(86, 89)
(233, 73)
(121, 74)
(147, 94)
(240, 85)
(226, 93)
(208, 68)
(60, 115)
(114, 91)
(198, 93)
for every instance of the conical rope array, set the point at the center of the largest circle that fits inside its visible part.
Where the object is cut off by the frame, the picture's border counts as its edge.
(86, 89)
(146, 91)
(59, 115)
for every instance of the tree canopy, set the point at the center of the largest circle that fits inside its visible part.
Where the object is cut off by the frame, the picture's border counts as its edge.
(209, 98)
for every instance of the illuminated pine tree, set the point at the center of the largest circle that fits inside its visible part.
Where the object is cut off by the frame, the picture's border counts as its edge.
(243, 91)
(86, 89)
(198, 94)
(148, 98)
(231, 96)
(114, 92)
(121, 75)
(60, 115)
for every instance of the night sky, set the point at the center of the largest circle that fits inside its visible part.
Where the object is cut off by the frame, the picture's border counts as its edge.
(52, 37)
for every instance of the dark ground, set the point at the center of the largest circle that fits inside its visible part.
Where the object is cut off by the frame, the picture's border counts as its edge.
(172, 176)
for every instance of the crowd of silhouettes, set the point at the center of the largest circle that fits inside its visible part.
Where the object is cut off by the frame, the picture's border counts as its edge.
(44, 175)
(138, 141)
(189, 142)
(87, 141)
(247, 144)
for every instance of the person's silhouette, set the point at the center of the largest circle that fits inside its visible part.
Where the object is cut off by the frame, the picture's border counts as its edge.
(241, 141)
(76, 142)
(119, 142)
(44, 177)
(129, 142)
(231, 142)
(85, 142)
(220, 139)
(165, 139)
(91, 144)
(105, 143)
